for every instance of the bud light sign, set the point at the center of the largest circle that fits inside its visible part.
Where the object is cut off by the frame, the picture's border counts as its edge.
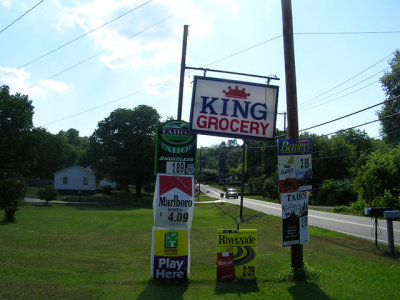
(233, 108)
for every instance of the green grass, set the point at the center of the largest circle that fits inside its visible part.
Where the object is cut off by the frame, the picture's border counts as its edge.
(114, 197)
(103, 252)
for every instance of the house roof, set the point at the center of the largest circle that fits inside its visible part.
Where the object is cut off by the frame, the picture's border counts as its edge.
(89, 171)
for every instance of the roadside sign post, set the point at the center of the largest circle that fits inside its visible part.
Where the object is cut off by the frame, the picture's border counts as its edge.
(291, 99)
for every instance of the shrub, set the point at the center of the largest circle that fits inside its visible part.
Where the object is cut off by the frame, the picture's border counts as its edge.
(341, 209)
(106, 190)
(358, 207)
(270, 187)
(335, 192)
(149, 188)
(12, 192)
(47, 194)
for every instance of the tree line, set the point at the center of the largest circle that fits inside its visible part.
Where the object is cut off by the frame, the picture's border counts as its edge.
(348, 168)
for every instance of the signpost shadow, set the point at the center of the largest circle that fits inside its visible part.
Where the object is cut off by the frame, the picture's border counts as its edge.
(164, 289)
(307, 290)
(238, 287)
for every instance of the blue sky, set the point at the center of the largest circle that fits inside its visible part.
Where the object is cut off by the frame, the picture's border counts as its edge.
(136, 58)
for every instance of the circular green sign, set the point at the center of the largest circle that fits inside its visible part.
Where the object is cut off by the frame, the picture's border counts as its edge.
(176, 133)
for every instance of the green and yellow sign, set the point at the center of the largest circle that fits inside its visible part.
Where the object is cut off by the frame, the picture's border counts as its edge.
(236, 254)
(170, 257)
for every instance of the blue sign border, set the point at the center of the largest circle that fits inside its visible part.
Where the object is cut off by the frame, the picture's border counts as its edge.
(297, 150)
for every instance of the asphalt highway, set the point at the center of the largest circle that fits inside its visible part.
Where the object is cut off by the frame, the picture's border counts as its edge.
(362, 227)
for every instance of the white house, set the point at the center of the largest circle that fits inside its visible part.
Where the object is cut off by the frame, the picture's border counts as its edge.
(74, 179)
(105, 181)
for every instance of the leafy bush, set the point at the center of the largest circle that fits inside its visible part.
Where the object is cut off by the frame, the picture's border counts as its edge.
(388, 200)
(341, 209)
(378, 180)
(149, 188)
(47, 194)
(106, 190)
(335, 192)
(270, 187)
(12, 192)
(358, 207)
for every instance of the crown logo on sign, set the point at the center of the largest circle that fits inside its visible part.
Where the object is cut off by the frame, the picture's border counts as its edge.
(236, 93)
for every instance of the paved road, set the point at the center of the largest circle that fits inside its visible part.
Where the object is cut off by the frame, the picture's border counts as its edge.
(353, 225)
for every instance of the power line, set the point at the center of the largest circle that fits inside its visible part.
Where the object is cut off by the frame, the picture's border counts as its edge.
(20, 17)
(102, 51)
(301, 33)
(380, 119)
(76, 39)
(347, 80)
(340, 97)
(346, 32)
(93, 108)
(101, 105)
(241, 51)
(327, 97)
(351, 114)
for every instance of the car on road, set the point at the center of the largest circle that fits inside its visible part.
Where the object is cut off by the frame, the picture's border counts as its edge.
(231, 193)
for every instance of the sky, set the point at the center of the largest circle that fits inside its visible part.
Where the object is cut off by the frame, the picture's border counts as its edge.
(79, 60)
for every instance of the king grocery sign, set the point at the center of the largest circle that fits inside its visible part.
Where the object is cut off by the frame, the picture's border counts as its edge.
(233, 108)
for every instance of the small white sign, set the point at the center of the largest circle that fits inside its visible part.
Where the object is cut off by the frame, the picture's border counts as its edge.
(175, 167)
(295, 218)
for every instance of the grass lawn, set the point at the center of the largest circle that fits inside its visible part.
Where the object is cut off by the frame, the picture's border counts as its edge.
(103, 252)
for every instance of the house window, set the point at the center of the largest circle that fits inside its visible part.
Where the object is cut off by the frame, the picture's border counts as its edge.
(65, 180)
(85, 181)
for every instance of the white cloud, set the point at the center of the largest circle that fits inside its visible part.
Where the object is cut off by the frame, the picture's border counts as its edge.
(19, 81)
(6, 3)
(54, 86)
(161, 86)
(157, 45)
(230, 5)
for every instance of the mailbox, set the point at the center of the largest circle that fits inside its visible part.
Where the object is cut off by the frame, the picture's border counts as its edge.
(375, 211)
(391, 215)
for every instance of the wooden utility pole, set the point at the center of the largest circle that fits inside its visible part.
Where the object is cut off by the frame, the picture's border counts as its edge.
(291, 99)
(242, 185)
(183, 65)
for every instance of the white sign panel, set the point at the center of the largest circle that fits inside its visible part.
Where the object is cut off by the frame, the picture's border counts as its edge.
(294, 218)
(173, 203)
(233, 108)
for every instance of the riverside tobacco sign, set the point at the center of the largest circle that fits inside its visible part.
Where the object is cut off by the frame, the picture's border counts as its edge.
(233, 108)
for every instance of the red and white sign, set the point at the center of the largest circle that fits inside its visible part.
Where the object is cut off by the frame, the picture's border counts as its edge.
(233, 108)
(173, 203)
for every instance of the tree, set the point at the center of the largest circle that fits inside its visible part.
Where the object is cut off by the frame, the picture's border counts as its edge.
(391, 85)
(16, 153)
(47, 194)
(332, 158)
(12, 191)
(377, 181)
(52, 153)
(122, 146)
